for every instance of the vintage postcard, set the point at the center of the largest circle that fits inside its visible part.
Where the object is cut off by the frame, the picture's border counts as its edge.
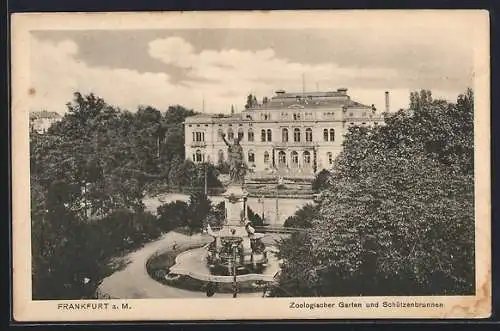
(251, 165)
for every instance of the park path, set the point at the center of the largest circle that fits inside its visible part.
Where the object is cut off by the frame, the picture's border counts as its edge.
(134, 282)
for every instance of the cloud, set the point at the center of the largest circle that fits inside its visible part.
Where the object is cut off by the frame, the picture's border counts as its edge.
(57, 73)
(231, 72)
(221, 77)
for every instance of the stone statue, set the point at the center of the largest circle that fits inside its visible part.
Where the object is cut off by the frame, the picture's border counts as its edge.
(237, 167)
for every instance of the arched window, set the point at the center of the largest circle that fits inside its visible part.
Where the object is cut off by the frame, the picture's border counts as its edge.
(263, 135)
(296, 134)
(251, 157)
(295, 159)
(240, 133)
(220, 155)
(230, 134)
(269, 135)
(325, 134)
(284, 135)
(282, 158)
(266, 157)
(307, 158)
(329, 155)
(198, 157)
(332, 135)
(309, 134)
(250, 135)
(219, 134)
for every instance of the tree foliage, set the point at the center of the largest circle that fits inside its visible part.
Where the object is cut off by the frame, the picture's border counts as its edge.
(398, 214)
(89, 174)
(322, 180)
(303, 218)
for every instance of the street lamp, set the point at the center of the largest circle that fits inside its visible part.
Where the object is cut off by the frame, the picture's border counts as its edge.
(235, 285)
(206, 181)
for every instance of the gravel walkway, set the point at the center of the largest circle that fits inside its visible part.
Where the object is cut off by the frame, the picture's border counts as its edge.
(134, 282)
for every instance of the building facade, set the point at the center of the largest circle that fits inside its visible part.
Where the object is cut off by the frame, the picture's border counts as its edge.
(295, 134)
(40, 121)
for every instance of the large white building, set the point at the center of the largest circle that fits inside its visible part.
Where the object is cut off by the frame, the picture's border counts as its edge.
(40, 121)
(294, 134)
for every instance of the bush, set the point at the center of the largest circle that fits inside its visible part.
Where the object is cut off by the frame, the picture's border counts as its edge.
(303, 217)
(321, 181)
(255, 219)
(172, 215)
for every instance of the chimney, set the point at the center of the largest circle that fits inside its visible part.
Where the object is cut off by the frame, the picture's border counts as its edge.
(386, 101)
(342, 91)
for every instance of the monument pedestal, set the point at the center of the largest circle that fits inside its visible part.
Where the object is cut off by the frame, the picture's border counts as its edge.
(236, 205)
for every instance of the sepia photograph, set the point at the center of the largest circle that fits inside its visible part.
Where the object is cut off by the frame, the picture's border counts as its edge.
(177, 166)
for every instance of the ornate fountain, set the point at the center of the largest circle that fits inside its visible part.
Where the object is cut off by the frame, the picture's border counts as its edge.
(237, 254)
(236, 248)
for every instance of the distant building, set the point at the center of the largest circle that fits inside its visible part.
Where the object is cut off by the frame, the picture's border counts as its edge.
(291, 134)
(40, 121)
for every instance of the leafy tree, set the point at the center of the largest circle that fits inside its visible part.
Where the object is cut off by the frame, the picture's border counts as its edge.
(321, 181)
(254, 218)
(399, 213)
(172, 215)
(89, 173)
(303, 217)
(199, 207)
(217, 215)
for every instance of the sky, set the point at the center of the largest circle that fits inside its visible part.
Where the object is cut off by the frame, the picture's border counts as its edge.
(220, 67)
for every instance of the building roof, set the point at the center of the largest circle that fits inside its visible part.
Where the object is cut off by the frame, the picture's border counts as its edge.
(44, 114)
(283, 100)
(219, 118)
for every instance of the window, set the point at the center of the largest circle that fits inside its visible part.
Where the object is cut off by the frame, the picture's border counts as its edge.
(295, 158)
(266, 157)
(219, 134)
(307, 158)
(263, 135)
(296, 134)
(309, 116)
(230, 134)
(282, 158)
(198, 136)
(296, 117)
(332, 135)
(309, 134)
(325, 134)
(220, 155)
(329, 155)
(269, 135)
(198, 156)
(351, 114)
(284, 135)
(240, 133)
(250, 135)
(251, 157)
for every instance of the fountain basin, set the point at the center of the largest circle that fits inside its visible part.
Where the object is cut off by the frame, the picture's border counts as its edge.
(193, 263)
